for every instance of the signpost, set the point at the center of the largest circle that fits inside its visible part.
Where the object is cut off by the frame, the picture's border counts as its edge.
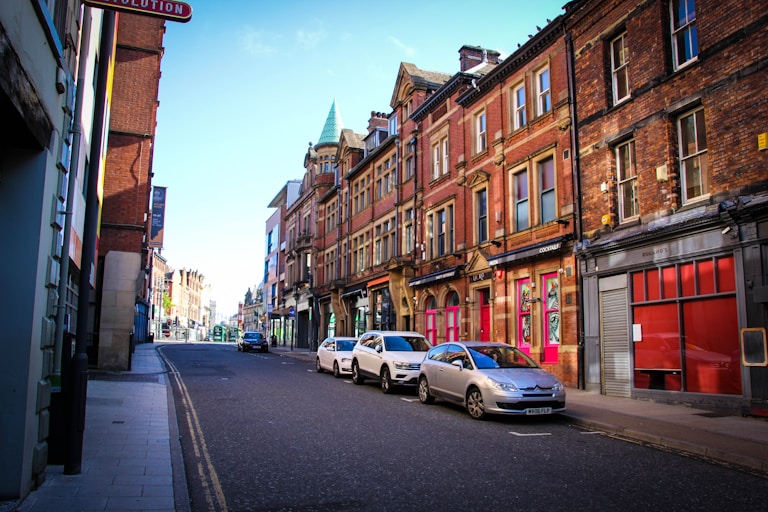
(167, 9)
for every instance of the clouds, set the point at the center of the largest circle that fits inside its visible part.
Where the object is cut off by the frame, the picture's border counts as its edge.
(408, 50)
(258, 43)
(310, 39)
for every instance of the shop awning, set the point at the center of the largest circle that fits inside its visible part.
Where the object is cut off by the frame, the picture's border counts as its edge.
(542, 248)
(435, 276)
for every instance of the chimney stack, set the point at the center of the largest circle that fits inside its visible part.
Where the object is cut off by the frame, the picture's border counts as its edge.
(471, 56)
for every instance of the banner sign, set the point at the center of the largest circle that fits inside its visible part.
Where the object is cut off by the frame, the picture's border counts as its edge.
(158, 218)
(167, 9)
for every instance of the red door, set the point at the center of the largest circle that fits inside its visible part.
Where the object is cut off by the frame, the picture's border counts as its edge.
(485, 316)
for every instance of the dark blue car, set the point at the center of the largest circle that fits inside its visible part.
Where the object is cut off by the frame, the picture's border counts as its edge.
(253, 341)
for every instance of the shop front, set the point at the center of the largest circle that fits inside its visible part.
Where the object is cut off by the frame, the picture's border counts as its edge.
(663, 318)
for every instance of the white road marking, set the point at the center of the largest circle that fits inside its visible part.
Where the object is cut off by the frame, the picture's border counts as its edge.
(520, 434)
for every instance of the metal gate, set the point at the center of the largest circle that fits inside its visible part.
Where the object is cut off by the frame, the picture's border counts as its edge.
(141, 322)
(614, 335)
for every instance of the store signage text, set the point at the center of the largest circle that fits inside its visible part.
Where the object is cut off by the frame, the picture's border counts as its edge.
(167, 9)
(549, 248)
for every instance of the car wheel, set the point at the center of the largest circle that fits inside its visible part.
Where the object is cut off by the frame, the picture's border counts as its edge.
(265, 350)
(386, 381)
(475, 406)
(424, 396)
(356, 377)
(317, 366)
(336, 372)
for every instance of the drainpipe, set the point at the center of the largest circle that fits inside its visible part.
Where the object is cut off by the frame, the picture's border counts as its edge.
(576, 176)
(74, 456)
(77, 130)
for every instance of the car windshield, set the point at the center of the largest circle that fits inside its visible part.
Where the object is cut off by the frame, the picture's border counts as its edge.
(345, 345)
(493, 356)
(406, 344)
(252, 336)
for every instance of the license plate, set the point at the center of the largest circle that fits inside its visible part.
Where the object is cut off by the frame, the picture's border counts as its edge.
(538, 410)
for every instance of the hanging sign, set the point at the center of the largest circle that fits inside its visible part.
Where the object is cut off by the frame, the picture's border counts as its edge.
(167, 9)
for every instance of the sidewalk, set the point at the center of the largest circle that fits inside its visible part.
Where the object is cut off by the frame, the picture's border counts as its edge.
(132, 455)
(131, 451)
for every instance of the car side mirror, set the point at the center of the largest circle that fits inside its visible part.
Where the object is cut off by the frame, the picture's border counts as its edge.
(379, 349)
(459, 363)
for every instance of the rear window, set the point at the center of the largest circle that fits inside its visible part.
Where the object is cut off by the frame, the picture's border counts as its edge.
(345, 345)
(406, 344)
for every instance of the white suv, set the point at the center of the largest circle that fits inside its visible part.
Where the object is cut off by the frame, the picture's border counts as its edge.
(392, 357)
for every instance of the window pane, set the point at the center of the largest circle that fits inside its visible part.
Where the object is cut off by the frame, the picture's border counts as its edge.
(547, 173)
(726, 278)
(521, 185)
(652, 279)
(521, 216)
(712, 356)
(705, 271)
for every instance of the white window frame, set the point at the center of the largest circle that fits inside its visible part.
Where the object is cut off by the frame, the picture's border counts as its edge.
(481, 132)
(482, 227)
(626, 174)
(544, 194)
(408, 231)
(519, 113)
(440, 231)
(620, 69)
(543, 92)
(693, 158)
(518, 202)
(683, 31)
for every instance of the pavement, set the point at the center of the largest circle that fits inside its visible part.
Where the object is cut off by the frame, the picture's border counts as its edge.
(132, 453)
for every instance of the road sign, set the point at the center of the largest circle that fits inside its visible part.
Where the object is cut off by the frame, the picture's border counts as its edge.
(167, 9)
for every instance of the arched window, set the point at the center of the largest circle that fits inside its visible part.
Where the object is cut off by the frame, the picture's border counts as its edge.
(430, 320)
(452, 319)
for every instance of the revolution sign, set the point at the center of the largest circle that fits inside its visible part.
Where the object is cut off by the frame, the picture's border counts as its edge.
(167, 9)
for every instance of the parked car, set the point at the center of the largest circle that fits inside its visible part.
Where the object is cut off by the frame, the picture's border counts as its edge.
(252, 341)
(489, 378)
(335, 355)
(391, 357)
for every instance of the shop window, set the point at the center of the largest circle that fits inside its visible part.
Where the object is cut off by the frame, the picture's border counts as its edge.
(551, 316)
(524, 315)
(430, 321)
(687, 342)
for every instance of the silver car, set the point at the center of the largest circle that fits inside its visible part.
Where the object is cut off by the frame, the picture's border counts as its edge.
(489, 378)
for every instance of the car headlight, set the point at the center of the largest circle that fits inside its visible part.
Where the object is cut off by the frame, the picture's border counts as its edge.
(558, 386)
(401, 365)
(502, 386)
(346, 360)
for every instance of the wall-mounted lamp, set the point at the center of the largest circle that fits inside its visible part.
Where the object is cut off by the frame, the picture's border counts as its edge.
(563, 222)
(496, 243)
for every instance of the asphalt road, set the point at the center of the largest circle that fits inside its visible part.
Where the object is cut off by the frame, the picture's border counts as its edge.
(262, 432)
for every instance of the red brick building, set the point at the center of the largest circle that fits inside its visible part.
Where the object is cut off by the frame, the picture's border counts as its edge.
(124, 258)
(669, 105)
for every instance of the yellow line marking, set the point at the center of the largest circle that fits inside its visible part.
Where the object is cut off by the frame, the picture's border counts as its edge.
(205, 470)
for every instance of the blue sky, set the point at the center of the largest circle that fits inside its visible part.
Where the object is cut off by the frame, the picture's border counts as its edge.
(247, 85)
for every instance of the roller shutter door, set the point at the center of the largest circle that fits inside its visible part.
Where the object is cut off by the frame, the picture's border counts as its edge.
(614, 334)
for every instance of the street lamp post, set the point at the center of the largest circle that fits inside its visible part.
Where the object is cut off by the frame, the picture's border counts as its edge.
(295, 310)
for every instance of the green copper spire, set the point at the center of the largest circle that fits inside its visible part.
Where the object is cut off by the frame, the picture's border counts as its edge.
(332, 128)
